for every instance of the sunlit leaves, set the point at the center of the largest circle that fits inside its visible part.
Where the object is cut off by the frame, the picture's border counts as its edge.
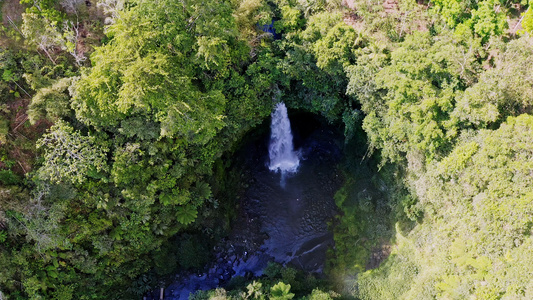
(335, 50)
(450, 10)
(489, 19)
(69, 156)
(291, 19)
(477, 217)
(143, 82)
(410, 102)
(486, 18)
(281, 291)
(501, 91)
(147, 70)
(255, 290)
(527, 21)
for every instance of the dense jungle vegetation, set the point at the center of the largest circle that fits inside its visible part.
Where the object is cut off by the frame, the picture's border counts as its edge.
(118, 120)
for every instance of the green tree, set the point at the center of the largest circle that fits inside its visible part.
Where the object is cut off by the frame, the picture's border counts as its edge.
(501, 91)
(412, 108)
(70, 156)
(489, 19)
(248, 14)
(255, 290)
(527, 21)
(52, 102)
(485, 18)
(476, 203)
(281, 291)
(42, 34)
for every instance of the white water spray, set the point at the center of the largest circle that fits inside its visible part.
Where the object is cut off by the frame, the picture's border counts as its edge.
(283, 158)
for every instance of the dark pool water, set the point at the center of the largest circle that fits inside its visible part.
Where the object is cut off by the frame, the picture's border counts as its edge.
(285, 223)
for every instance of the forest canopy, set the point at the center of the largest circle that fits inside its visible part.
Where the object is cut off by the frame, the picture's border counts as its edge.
(119, 118)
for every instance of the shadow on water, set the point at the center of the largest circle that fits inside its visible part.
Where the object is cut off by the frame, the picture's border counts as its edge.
(286, 223)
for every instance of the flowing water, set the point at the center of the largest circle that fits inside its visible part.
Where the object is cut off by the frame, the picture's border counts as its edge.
(281, 152)
(285, 223)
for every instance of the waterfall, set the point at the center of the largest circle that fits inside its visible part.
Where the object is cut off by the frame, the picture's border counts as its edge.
(283, 158)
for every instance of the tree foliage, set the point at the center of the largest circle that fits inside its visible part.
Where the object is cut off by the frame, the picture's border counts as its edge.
(130, 175)
(69, 156)
(485, 18)
(481, 187)
(410, 102)
(502, 91)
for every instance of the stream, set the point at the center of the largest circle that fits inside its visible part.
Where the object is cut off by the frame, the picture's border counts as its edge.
(284, 222)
